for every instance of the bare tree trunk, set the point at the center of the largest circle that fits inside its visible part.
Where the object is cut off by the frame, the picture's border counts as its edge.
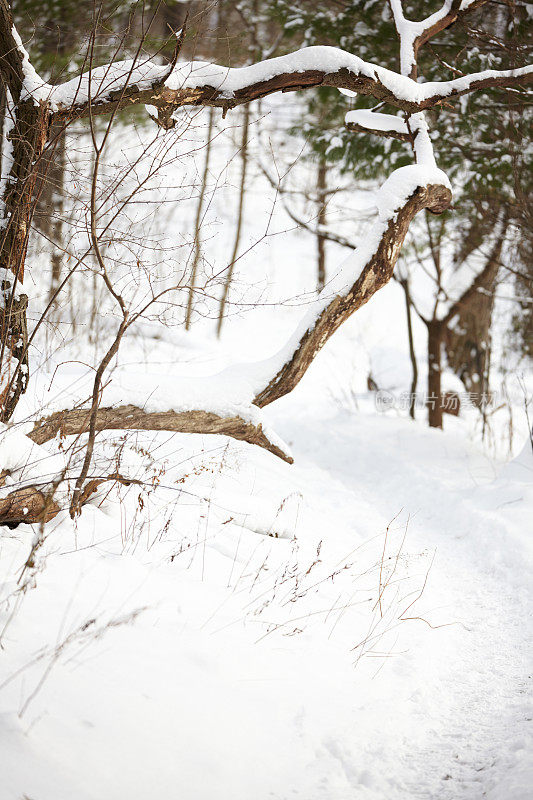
(320, 240)
(434, 398)
(58, 207)
(49, 205)
(238, 229)
(198, 222)
(412, 354)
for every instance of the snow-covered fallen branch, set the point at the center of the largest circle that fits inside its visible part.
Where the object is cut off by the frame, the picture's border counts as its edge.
(130, 417)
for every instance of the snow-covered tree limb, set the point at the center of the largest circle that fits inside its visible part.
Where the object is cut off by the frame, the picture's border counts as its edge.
(119, 85)
(413, 35)
(123, 84)
(386, 125)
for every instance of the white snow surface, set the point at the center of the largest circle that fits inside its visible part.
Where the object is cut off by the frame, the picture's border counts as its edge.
(209, 644)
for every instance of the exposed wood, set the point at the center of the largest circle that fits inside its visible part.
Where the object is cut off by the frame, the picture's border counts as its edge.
(76, 421)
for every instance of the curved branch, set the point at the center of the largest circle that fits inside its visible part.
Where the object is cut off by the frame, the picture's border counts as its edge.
(376, 271)
(76, 421)
(413, 35)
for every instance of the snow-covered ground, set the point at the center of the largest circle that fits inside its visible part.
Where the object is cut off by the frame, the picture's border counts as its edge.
(263, 636)
(353, 626)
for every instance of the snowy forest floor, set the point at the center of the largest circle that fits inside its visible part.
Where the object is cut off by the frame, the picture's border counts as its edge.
(293, 648)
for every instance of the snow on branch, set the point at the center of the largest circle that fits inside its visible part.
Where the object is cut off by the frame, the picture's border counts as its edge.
(227, 403)
(35, 501)
(386, 125)
(413, 35)
(194, 83)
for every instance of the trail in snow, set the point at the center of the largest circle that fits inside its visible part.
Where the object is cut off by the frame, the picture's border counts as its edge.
(478, 742)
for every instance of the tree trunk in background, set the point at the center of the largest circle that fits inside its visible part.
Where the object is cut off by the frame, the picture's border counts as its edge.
(49, 208)
(412, 354)
(434, 398)
(198, 222)
(467, 342)
(321, 219)
(240, 210)
(58, 217)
